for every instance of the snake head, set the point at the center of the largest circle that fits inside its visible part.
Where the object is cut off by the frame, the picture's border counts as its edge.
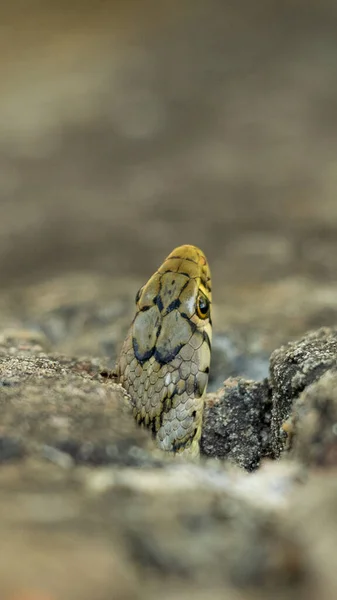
(165, 360)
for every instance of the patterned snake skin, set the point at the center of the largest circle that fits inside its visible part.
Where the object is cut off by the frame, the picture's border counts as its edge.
(164, 362)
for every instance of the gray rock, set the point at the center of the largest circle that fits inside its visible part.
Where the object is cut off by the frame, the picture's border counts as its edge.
(293, 368)
(237, 421)
(84, 486)
(52, 405)
(315, 423)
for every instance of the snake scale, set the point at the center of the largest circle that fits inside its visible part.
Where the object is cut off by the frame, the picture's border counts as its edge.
(165, 359)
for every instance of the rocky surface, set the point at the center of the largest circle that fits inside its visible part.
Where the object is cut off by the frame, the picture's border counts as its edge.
(237, 423)
(314, 423)
(292, 369)
(63, 410)
(90, 508)
(79, 479)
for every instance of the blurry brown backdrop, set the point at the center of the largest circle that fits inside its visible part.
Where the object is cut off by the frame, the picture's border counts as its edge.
(129, 127)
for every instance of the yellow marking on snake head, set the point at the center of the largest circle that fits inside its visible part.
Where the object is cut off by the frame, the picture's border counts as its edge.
(164, 362)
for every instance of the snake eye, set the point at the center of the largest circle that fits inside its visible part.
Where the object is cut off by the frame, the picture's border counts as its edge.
(202, 306)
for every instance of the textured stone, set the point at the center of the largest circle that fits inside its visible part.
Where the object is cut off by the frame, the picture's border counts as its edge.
(237, 422)
(314, 419)
(292, 369)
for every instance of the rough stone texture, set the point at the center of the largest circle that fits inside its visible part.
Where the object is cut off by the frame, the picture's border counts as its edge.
(84, 491)
(68, 446)
(292, 368)
(314, 418)
(237, 423)
(63, 410)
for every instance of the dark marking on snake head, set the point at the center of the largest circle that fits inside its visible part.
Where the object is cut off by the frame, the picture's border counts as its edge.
(174, 304)
(206, 338)
(192, 325)
(158, 301)
(141, 356)
(185, 258)
(138, 295)
(144, 308)
(163, 356)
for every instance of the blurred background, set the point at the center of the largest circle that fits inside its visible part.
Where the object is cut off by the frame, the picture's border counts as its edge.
(128, 127)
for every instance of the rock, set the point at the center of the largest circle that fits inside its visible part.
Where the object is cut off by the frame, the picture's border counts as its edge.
(89, 493)
(237, 421)
(294, 367)
(315, 423)
(57, 407)
(83, 490)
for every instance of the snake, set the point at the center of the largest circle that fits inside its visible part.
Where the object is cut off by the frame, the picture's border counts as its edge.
(165, 359)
